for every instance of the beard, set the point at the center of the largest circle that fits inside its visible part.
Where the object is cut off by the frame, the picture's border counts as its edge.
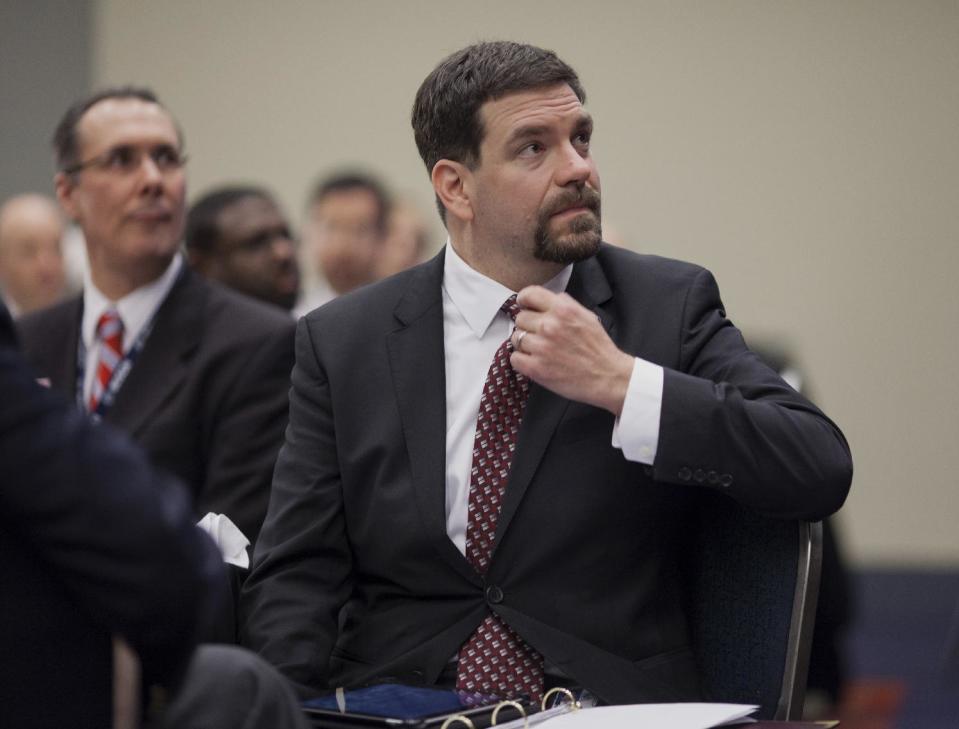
(584, 233)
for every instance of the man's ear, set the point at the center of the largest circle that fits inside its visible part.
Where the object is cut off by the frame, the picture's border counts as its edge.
(451, 184)
(64, 186)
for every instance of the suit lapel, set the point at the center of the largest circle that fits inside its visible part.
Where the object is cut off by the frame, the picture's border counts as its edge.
(51, 344)
(163, 363)
(545, 409)
(64, 336)
(418, 368)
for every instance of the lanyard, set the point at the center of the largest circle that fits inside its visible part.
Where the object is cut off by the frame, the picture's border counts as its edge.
(119, 376)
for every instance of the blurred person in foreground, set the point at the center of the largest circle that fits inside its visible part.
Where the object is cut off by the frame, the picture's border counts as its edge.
(494, 458)
(195, 373)
(100, 550)
(31, 260)
(239, 237)
(345, 227)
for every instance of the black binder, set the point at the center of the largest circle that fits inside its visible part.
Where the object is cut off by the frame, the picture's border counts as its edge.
(411, 707)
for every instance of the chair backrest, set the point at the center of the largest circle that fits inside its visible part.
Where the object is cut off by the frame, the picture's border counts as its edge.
(753, 586)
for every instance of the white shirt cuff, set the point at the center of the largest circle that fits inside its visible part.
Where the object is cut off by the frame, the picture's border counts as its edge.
(636, 431)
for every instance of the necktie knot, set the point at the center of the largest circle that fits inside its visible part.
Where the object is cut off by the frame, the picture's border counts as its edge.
(109, 324)
(511, 307)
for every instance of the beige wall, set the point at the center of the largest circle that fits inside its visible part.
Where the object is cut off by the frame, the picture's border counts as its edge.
(807, 152)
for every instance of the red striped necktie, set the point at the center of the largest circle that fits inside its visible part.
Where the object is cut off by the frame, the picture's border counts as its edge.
(109, 337)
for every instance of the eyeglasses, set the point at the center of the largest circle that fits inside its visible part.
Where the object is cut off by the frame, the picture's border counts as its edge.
(126, 159)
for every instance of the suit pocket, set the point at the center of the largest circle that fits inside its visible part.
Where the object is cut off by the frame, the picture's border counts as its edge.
(659, 659)
(674, 672)
(338, 654)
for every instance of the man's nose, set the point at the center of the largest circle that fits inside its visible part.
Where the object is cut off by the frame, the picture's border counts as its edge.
(151, 176)
(575, 167)
(51, 262)
(283, 247)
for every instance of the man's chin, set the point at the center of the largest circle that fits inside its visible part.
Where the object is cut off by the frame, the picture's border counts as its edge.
(573, 246)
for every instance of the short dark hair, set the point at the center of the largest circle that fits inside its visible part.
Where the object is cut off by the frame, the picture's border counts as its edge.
(354, 180)
(201, 231)
(65, 144)
(445, 118)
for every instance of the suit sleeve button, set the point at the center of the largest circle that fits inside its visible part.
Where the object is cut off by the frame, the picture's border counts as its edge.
(494, 595)
(685, 474)
(726, 480)
(712, 477)
(699, 476)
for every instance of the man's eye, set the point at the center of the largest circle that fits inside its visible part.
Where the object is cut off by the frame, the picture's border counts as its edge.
(582, 140)
(532, 149)
(258, 242)
(121, 158)
(166, 157)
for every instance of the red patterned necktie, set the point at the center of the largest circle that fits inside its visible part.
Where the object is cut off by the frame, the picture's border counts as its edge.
(495, 659)
(110, 339)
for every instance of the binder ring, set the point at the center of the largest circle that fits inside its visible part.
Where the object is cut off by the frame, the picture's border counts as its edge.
(516, 705)
(559, 690)
(459, 717)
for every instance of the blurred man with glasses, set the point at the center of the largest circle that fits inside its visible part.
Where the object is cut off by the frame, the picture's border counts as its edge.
(197, 374)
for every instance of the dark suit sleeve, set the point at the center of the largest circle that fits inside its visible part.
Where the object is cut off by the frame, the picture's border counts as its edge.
(119, 537)
(731, 423)
(247, 429)
(301, 569)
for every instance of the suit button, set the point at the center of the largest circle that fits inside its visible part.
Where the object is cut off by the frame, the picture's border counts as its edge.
(699, 476)
(494, 595)
(726, 480)
(712, 477)
(685, 474)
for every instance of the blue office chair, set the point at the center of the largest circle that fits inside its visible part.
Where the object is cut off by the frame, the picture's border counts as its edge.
(753, 586)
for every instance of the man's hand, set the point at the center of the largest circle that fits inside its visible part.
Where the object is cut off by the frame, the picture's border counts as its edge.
(561, 345)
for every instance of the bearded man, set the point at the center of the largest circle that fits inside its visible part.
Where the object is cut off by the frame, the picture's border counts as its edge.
(506, 527)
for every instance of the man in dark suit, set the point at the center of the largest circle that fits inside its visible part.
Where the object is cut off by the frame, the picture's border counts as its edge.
(538, 541)
(98, 547)
(198, 374)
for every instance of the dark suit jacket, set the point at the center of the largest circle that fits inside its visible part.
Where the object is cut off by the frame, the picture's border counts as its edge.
(92, 544)
(585, 562)
(206, 398)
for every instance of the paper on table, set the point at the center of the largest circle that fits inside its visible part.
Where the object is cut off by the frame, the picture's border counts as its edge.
(660, 716)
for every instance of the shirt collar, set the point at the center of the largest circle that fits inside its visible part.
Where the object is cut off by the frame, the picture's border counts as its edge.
(479, 298)
(136, 308)
(11, 305)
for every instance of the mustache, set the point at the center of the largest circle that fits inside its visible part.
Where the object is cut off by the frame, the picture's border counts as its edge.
(584, 196)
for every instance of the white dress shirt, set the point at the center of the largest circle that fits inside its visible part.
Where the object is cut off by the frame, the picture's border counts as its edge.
(136, 310)
(473, 329)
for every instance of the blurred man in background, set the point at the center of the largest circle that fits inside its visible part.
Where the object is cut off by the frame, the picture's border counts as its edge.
(239, 237)
(407, 240)
(345, 228)
(31, 261)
